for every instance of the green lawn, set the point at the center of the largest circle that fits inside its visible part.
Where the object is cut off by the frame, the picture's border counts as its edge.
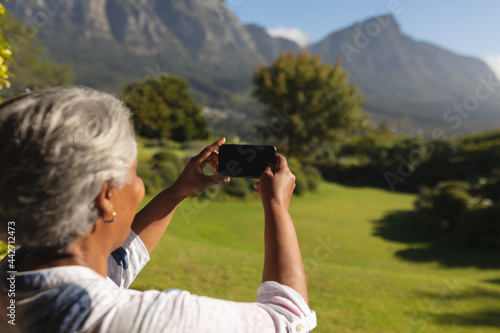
(367, 270)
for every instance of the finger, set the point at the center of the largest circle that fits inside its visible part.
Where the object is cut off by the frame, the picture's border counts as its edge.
(256, 185)
(203, 163)
(214, 160)
(209, 150)
(210, 160)
(281, 162)
(217, 179)
(267, 172)
(256, 192)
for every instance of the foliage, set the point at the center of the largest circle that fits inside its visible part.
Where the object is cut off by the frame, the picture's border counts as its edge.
(365, 156)
(163, 108)
(3, 250)
(307, 177)
(479, 228)
(5, 53)
(160, 171)
(31, 70)
(310, 104)
(458, 211)
(238, 187)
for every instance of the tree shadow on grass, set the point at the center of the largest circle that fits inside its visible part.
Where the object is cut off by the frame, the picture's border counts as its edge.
(399, 226)
(454, 291)
(494, 281)
(490, 317)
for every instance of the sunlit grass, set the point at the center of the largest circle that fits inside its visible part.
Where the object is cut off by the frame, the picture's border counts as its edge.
(357, 283)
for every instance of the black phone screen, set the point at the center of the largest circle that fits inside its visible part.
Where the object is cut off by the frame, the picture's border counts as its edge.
(246, 161)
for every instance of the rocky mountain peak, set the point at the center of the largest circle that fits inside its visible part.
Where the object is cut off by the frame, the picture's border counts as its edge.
(201, 28)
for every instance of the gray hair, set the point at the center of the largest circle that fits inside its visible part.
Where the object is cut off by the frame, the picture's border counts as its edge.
(57, 148)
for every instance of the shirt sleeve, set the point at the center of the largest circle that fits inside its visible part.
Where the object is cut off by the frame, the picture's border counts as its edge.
(286, 306)
(127, 261)
(278, 309)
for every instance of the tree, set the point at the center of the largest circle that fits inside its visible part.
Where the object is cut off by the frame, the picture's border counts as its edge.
(30, 69)
(5, 55)
(310, 104)
(163, 108)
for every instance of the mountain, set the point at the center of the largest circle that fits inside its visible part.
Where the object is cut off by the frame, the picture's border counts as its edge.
(407, 83)
(410, 80)
(270, 47)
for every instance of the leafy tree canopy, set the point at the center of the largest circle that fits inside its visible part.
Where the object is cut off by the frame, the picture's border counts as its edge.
(5, 55)
(310, 104)
(30, 69)
(163, 108)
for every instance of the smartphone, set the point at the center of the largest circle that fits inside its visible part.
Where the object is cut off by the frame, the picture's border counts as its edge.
(245, 161)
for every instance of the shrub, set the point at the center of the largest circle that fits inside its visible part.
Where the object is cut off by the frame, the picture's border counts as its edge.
(307, 177)
(169, 156)
(168, 171)
(238, 187)
(152, 180)
(433, 227)
(491, 189)
(313, 177)
(449, 210)
(301, 184)
(161, 171)
(479, 228)
(447, 201)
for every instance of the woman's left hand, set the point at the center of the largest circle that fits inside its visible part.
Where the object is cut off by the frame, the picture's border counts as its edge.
(192, 179)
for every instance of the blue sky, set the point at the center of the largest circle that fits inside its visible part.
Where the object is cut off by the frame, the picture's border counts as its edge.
(463, 27)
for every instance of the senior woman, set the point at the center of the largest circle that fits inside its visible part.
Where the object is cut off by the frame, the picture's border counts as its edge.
(68, 186)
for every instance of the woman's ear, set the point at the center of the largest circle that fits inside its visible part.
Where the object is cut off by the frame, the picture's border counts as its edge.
(103, 201)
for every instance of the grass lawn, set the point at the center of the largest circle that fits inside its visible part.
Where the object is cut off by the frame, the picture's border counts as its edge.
(367, 270)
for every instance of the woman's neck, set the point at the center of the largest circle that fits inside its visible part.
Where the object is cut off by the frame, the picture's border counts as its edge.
(78, 253)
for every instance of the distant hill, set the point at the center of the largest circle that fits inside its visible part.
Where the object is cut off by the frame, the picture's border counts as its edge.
(114, 41)
(409, 80)
(111, 42)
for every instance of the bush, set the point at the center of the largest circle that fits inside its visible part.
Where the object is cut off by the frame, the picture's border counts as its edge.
(450, 211)
(169, 156)
(447, 201)
(161, 171)
(479, 228)
(238, 187)
(451, 203)
(433, 227)
(168, 171)
(491, 189)
(152, 180)
(313, 177)
(307, 177)
(301, 185)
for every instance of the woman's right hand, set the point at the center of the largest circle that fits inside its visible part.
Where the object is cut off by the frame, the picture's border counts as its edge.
(276, 186)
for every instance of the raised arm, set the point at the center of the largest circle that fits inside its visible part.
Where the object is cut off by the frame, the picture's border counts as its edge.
(152, 221)
(283, 261)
